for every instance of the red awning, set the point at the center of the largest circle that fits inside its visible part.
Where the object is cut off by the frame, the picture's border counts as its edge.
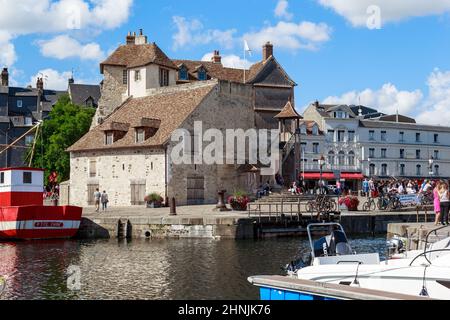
(352, 176)
(316, 176)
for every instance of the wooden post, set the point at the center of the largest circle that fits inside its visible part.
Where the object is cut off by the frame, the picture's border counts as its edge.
(173, 207)
(426, 214)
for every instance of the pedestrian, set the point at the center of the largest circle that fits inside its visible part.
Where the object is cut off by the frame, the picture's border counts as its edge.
(437, 203)
(97, 197)
(104, 199)
(445, 203)
(365, 187)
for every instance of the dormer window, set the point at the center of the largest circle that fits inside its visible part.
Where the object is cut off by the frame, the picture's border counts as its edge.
(303, 129)
(163, 77)
(109, 138)
(202, 75)
(140, 135)
(19, 104)
(315, 130)
(114, 131)
(137, 75)
(183, 74)
(340, 115)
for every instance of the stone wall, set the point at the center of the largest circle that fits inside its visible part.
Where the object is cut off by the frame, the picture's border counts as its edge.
(116, 171)
(113, 90)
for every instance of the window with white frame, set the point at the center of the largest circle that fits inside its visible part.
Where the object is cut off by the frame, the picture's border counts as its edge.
(351, 136)
(351, 158)
(418, 170)
(384, 169)
(140, 135)
(372, 169)
(19, 103)
(137, 75)
(29, 140)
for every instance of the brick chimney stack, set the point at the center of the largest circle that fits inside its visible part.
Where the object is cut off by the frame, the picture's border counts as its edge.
(141, 38)
(267, 51)
(40, 84)
(5, 77)
(216, 58)
(131, 39)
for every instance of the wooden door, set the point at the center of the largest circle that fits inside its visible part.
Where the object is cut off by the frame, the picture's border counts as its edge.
(195, 190)
(91, 189)
(137, 194)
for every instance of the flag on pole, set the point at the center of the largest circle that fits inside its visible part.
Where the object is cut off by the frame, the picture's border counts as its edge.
(247, 48)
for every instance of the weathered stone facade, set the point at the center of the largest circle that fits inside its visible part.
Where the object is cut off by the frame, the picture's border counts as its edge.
(113, 91)
(116, 172)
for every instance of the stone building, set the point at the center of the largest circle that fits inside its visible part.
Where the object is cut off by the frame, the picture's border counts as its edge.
(145, 97)
(20, 110)
(362, 142)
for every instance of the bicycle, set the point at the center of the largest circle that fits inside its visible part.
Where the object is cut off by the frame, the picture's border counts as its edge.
(369, 205)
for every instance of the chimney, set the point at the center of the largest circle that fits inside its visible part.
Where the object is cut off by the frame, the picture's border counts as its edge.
(71, 80)
(130, 38)
(216, 58)
(267, 51)
(141, 38)
(40, 84)
(317, 104)
(5, 77)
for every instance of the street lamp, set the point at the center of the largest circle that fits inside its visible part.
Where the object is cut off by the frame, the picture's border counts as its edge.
(321, 164)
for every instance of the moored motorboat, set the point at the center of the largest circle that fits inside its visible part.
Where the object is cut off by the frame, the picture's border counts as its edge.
(417, 274)
(23, 215)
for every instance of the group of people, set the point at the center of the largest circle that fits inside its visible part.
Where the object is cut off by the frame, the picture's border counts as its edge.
(100, 198)
(372, 188)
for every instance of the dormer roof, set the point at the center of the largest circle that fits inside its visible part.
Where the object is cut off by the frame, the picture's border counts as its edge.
(288, 112)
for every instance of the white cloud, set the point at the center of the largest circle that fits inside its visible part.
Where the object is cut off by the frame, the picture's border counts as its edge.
(355, 11)
(281, 10)
(231, 61)
(63, 47)
(30, 16)
(23, 17)
(288, 35)
(432, 108)
(8, 54)
(436, 108)
(55, 80)
(191, 33)
(52, 79)
(388, 99)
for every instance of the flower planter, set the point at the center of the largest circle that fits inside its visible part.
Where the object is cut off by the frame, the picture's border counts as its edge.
(350, 203)
(153, 205)
(239, 203)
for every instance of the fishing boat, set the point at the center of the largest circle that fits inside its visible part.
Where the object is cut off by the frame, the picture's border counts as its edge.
(332, 261)
(23, 215)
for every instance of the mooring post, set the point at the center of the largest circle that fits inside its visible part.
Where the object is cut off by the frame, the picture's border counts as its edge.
(173, 207)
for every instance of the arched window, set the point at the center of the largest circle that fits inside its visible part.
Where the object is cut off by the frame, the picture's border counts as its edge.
(436, 170)
(183, 74)
(418, 170)
(372, 169)
(341, 158)
(351, 158)
(202, 74)
(331, 158)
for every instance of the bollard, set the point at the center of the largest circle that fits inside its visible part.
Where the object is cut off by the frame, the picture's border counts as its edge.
(221, 206)
(173, 207)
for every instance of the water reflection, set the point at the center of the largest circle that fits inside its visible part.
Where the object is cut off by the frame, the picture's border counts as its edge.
(149, 269)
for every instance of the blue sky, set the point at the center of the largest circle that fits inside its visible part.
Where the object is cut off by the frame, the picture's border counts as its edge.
(324, 45)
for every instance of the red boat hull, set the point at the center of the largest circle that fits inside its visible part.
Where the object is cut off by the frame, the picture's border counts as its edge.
(39, 222)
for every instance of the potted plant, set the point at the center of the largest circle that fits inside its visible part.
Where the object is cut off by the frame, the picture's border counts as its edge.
(351, 202)
(239, 200)
(153, 200)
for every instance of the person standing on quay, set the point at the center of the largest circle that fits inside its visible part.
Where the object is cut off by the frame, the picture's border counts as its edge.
(104, 199)
(97, 197)
(445, 203)
(437, 203)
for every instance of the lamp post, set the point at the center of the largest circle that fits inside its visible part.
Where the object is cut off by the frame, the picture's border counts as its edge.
(321, 164)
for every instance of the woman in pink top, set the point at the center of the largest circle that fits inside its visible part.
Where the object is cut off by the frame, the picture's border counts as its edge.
(437, 203)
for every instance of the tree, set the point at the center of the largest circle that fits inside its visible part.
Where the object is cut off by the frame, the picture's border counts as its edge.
(64, 126)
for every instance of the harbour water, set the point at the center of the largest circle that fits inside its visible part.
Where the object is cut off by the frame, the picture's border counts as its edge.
(148, 269)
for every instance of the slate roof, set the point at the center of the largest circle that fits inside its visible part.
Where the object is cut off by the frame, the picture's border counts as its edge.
(172, 108)
(79, 93)
(131, 56)
(214, 70)
(399, 125)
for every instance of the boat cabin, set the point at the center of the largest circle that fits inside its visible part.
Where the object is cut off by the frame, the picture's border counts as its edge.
(21, 187)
